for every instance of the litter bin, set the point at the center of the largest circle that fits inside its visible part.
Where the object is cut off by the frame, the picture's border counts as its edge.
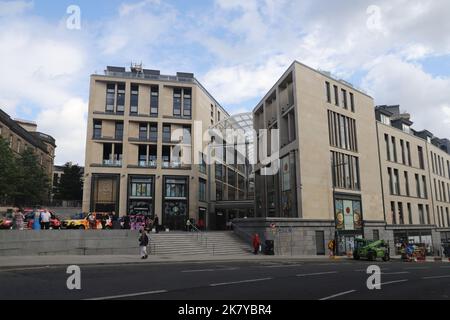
(269, 248)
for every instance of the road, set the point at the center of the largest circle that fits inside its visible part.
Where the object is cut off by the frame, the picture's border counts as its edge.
(293, 280)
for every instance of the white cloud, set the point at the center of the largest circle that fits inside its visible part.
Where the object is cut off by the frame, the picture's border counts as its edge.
(10, 8)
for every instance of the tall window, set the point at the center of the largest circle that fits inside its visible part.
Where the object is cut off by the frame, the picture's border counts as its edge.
(202, 190)
(328, 91)
(421, 215)
(336, 95)
(408, 152)
(419, 193)
(394, 150)
(167, 133)
(121, 98)
(187, 103)
(97, 129)
(110, 97)
(393, 215)
(141, 187)
(119, 130)
(396, 183)
(153, 132)
(345, 171)
(402, 147)
(427, 209)
(142, 156)
(352, 102)
(176, 188)
(421, 162)
(425, 190)
(410, 216)
(388, 147)
(344, 98)
(154, 101)
(143, 131)
(177, 102)
(407, 183)
(401, 218)
(342, 131)
(134, 101)
(385, 120)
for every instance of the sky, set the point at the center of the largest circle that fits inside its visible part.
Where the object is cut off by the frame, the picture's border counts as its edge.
(398, 51)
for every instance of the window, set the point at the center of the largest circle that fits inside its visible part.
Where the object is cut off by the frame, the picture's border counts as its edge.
(352, 102)
(394, 150)
(134, 101)
(393, 215)
(418, 189)
(328, 91)
(396, 183)
(177, 102)
(202, 190)
(425, 190)
(187, 103)
(410, 216)
(406, 128)
(407, 184)
(97, 129)
(19, 145)
(10, 141)
(219, 191)
(385, 120)
(401, 218)
(142, 156)
(448, 217)
(110, 97)
(153, 132)
(421, 162)
(1, 129)
(388, 147)
(342, 131)
(421, 215)
(336, 96)
(344, 98)
(391, 181)
(202, 167)
(402, 147)
(167, 133)
(143, 131)
(376, 235)
(176, 188)
(141, 188)
(345, 171)
(119, 131)
(218, 116)
(154, 101)
(219, 171)
(166, 157)
(121, 98)
(427, 209)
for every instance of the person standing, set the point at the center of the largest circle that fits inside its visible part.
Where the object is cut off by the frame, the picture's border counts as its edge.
(18, 219)
(256, 243)
(143, 243)
(45, 220)
(92, 221)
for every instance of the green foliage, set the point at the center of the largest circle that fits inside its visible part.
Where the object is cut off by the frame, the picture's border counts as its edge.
(22, 180)
(70, 186)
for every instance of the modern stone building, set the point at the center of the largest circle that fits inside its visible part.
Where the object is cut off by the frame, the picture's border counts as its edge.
(328, 184)
(22, 135)
(147, 148)
(415, 171)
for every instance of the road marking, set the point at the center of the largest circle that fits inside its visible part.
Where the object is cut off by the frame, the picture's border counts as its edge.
(418, 268)
(436, 277)
(239, 282)
(209, 270)
(316, 274)
(393, 273)
(393, 282)
(128, 295)
(337, 295)
(283, 266)
(365, 270)
(25, 269)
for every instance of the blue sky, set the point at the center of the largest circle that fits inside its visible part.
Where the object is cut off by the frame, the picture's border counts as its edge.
(397, 50)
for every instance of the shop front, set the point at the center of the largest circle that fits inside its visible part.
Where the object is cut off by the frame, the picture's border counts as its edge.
(420, 238)
(105, 193)
(140, 196)
(175, 203)
(349, 224)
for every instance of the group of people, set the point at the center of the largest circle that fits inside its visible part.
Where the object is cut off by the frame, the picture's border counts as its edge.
(41, 219)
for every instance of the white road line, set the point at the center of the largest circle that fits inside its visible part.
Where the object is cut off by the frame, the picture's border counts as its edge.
(128, 295)
(393, 273)
(316, 274)
(283, 266)
(25, 269)
(209, 270)
(337, 295)
(365, 270)
(418, 268)
(436, 277)
(393, 282)
(239, 282)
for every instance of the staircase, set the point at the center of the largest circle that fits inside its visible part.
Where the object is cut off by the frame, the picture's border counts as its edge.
(206, 243)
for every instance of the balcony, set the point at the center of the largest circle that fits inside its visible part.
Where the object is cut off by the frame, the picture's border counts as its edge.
(175, 165)
(112, 163)
(152, 139)
(100, 138)
(148, 164)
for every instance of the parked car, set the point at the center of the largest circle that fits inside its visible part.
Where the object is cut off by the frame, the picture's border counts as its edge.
(6, 223)
(55, 222)
(103, 221)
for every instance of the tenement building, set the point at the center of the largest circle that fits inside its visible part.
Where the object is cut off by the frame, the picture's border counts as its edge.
(326, 184)
(147, 149)
(415, 173)
(22, 135)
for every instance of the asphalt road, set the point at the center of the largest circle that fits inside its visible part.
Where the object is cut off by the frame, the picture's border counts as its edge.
(340, 280)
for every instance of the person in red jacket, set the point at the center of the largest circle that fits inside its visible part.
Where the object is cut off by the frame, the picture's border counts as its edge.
(256, 243)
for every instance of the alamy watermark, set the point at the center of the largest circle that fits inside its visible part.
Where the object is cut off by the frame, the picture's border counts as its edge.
(73, 21)
(74, 280)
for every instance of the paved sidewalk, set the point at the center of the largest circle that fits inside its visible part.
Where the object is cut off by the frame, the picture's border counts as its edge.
(38, 261)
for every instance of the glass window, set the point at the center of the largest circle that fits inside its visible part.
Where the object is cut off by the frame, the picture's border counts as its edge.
(177, 102)
(141, 187)
(134, 99)
(202, 190)
(328, 91)
(97, 129)
(143, 131)
(142, 156)
(119, 131)
(336, 95)
(187, 103)
(121, 98)
(154, 132)
(110, 97)
(344, 98)
(154, 101)
(176, 188)
(352, 102)
(219, 191)
(167, 133)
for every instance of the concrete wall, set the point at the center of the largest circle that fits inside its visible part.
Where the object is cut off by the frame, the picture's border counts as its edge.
(68, 242)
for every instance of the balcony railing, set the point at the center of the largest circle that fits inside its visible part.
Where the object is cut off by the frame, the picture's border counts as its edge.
(175, 165)
(147, 164)
(112, 163)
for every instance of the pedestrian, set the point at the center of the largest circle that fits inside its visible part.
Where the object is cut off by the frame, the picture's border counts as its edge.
(188, 225)
(256, 243)
(37, 225)
(45, 220)
(18, 219)
(92, 221)
(332, 247)
(143, 243)
(156, 224)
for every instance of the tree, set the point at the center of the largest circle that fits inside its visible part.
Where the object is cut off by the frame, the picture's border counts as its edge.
(70, 186)
(8, 172)
(32, 181)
